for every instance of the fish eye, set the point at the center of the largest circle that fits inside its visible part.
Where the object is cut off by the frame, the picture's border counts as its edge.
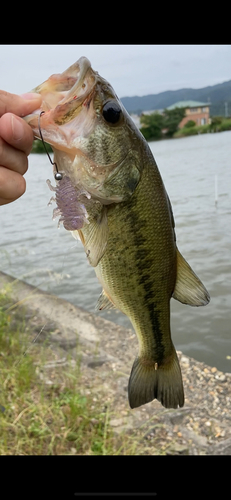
(111, 112)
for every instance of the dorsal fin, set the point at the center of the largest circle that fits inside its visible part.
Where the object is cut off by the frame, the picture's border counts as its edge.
(188, 288)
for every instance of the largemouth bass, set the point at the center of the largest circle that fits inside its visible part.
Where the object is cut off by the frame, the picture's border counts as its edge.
(110, 194)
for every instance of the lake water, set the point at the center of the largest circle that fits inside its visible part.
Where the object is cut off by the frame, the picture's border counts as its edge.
(33, 249)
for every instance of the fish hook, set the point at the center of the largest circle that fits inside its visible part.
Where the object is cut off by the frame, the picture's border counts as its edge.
(58, 175)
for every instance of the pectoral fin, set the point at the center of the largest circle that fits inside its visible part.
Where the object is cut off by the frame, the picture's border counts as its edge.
(94, 237)
(188, 288)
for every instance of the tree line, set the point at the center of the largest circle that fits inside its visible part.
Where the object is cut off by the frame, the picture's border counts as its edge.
(156, 126)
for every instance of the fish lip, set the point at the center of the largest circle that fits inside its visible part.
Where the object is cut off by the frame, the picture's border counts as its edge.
(56, 85)
(84, 68)
(82, 74)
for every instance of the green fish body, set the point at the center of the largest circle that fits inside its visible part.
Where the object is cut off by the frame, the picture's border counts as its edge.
(113, 198)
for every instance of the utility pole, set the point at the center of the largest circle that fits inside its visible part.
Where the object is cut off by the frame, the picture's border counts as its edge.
(226, 109)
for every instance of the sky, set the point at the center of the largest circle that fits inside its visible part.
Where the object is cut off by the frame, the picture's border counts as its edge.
(130, 69)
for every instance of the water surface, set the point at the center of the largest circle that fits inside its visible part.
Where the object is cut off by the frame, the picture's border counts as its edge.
(33, 249)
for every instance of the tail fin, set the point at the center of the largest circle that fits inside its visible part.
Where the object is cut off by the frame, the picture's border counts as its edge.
(149, 381)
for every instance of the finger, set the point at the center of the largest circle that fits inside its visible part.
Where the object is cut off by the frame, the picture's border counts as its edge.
(12, 103)
(12, 186)
(16, 132)
(12, 158)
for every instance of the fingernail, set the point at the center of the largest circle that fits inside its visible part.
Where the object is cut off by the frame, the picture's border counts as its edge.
(17, 128)
(29, 96)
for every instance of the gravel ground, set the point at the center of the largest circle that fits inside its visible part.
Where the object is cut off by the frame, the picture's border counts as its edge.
(106, 352)
(201, 427)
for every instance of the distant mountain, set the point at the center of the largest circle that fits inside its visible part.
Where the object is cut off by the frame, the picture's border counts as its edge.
(217, 95)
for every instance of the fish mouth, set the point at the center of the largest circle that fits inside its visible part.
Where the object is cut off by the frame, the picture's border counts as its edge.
(64, 96)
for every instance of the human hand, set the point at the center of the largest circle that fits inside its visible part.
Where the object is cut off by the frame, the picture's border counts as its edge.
(16, 139)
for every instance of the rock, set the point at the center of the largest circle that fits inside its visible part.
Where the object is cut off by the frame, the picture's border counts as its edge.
(178, 416)
(97, 361)
(184, 360)
(221, 377)
(197, 439)
(222, 448)
(177, 448)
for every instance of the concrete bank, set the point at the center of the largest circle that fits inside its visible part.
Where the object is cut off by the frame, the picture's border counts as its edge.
(107, 352)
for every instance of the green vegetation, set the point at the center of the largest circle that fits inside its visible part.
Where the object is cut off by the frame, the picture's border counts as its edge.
(156, 126)
(172, 118)
(151, 126)
(190, 123)
(218, 124)
(39, 148)
(62, 417)
(39, 418)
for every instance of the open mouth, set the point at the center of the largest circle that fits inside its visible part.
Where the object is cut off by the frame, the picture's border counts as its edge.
(71, 84)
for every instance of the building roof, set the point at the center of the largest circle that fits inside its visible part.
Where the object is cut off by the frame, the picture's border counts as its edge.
(188, 104)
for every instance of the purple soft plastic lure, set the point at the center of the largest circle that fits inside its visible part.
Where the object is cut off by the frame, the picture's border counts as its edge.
(71, 209)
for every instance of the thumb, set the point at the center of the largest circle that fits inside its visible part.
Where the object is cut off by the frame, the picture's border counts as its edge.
(19, 105)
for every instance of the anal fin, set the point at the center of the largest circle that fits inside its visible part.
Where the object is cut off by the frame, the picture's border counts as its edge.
(76, 234)
(103, 302)
(188, 288)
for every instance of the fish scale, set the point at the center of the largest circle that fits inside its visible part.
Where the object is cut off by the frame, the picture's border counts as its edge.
(137, 274)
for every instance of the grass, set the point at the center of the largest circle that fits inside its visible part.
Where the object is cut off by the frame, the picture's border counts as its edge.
(40, 418)
(220, 126)
(45, 409)
(38, 147)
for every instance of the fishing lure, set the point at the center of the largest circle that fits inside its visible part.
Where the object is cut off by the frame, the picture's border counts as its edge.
(58, 176)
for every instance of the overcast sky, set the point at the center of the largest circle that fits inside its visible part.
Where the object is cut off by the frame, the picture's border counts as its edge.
(131, 69)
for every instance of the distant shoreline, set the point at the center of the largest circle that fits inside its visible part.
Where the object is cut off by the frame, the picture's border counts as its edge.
(203, 129)
(224, 126)
(215, 127)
